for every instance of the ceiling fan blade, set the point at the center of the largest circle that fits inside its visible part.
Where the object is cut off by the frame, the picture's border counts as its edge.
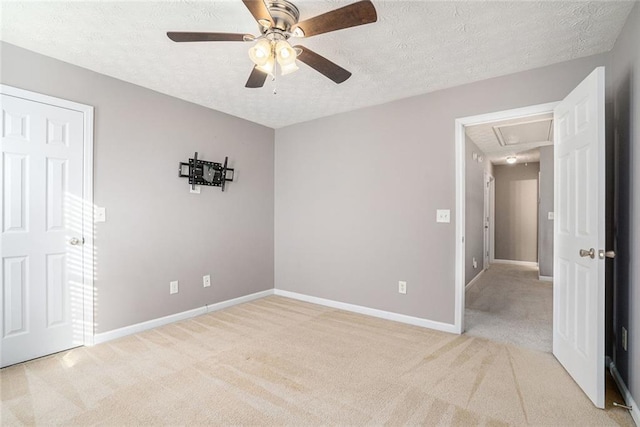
(256, 78)
(177, 36)
(323, 65)
(259, 10)
(359, 13)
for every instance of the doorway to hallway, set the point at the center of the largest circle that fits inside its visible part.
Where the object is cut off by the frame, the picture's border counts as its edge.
(509, 304)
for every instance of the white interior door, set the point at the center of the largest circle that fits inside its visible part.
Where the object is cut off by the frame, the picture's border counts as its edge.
(578, 291)
(42, 213)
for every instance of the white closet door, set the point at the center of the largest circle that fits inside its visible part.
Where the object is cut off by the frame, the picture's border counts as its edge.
(42, 227)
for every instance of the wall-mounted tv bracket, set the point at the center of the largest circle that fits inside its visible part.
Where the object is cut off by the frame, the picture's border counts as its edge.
(201, 172)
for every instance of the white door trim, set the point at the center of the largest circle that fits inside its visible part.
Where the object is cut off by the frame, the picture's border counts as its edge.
(460, 191)
(488, 221)
(492, 219)
(87, 194)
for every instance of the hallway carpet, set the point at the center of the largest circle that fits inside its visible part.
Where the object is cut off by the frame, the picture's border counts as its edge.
(277, 361)
(509, 304)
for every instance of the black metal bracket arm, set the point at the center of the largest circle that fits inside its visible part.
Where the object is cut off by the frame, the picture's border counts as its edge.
(202, 172)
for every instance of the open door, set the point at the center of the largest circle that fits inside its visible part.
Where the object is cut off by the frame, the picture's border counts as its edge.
(579, 235)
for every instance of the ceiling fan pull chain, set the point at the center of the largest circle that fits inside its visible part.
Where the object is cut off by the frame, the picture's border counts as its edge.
(275, 73)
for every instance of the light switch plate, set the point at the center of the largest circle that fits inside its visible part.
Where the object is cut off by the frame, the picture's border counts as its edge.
(443, 215)
(551, 216)
(173, 287)
(206, 281)
(194, 190)
(402, 287)
(100, 214)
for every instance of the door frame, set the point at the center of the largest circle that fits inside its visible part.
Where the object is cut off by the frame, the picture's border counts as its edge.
(489, 220)
(87, 196)
(460, 124)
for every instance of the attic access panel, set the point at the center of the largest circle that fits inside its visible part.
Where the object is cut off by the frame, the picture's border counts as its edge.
(524, 132)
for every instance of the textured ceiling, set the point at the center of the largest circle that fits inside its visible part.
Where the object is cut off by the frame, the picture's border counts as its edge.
(528, 141)
(414, 48)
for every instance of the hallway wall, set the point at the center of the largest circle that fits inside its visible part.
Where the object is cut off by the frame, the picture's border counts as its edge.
(545, 225)
(516, 216)
(474, 210)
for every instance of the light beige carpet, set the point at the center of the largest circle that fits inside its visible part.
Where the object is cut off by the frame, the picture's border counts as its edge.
(509, 304)
(277, 361)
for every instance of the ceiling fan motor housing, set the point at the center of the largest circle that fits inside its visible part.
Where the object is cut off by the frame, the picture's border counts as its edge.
(284, 14)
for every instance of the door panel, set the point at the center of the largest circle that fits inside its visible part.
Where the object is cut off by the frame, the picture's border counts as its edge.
(578, 299)
(56, 189)
(15, 296)
(57, 298)
(42, 161)
(16, 197)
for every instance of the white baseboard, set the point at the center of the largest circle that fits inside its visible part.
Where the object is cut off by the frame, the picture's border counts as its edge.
(403, 318)
(626, 395)
(150, 324)
(474, 280)
(545, 278)
(231, 302)
(514, 262)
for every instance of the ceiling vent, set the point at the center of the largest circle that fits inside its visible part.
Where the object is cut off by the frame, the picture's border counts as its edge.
(526, 132)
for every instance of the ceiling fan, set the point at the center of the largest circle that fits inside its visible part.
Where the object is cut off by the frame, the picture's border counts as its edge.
(278, 21)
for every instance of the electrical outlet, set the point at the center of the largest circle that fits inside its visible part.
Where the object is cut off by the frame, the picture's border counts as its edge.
(443, 215)
(475, 263)
(173, 287)
(206, 281)
(195, 190)
(402, 287)
(551, 216)
(624, 338)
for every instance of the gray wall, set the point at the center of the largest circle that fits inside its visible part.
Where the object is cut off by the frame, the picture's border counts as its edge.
(545, 225)
(517, 212)
(357, 193)
(474, 210)
(626, 98)
(156, 231)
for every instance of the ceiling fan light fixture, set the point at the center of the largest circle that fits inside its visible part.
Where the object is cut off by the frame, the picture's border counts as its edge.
(288, 69)
(285, 53)
(511, 159)
(265, 23)
(267, 66)
(260, 53)
(286, 57)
